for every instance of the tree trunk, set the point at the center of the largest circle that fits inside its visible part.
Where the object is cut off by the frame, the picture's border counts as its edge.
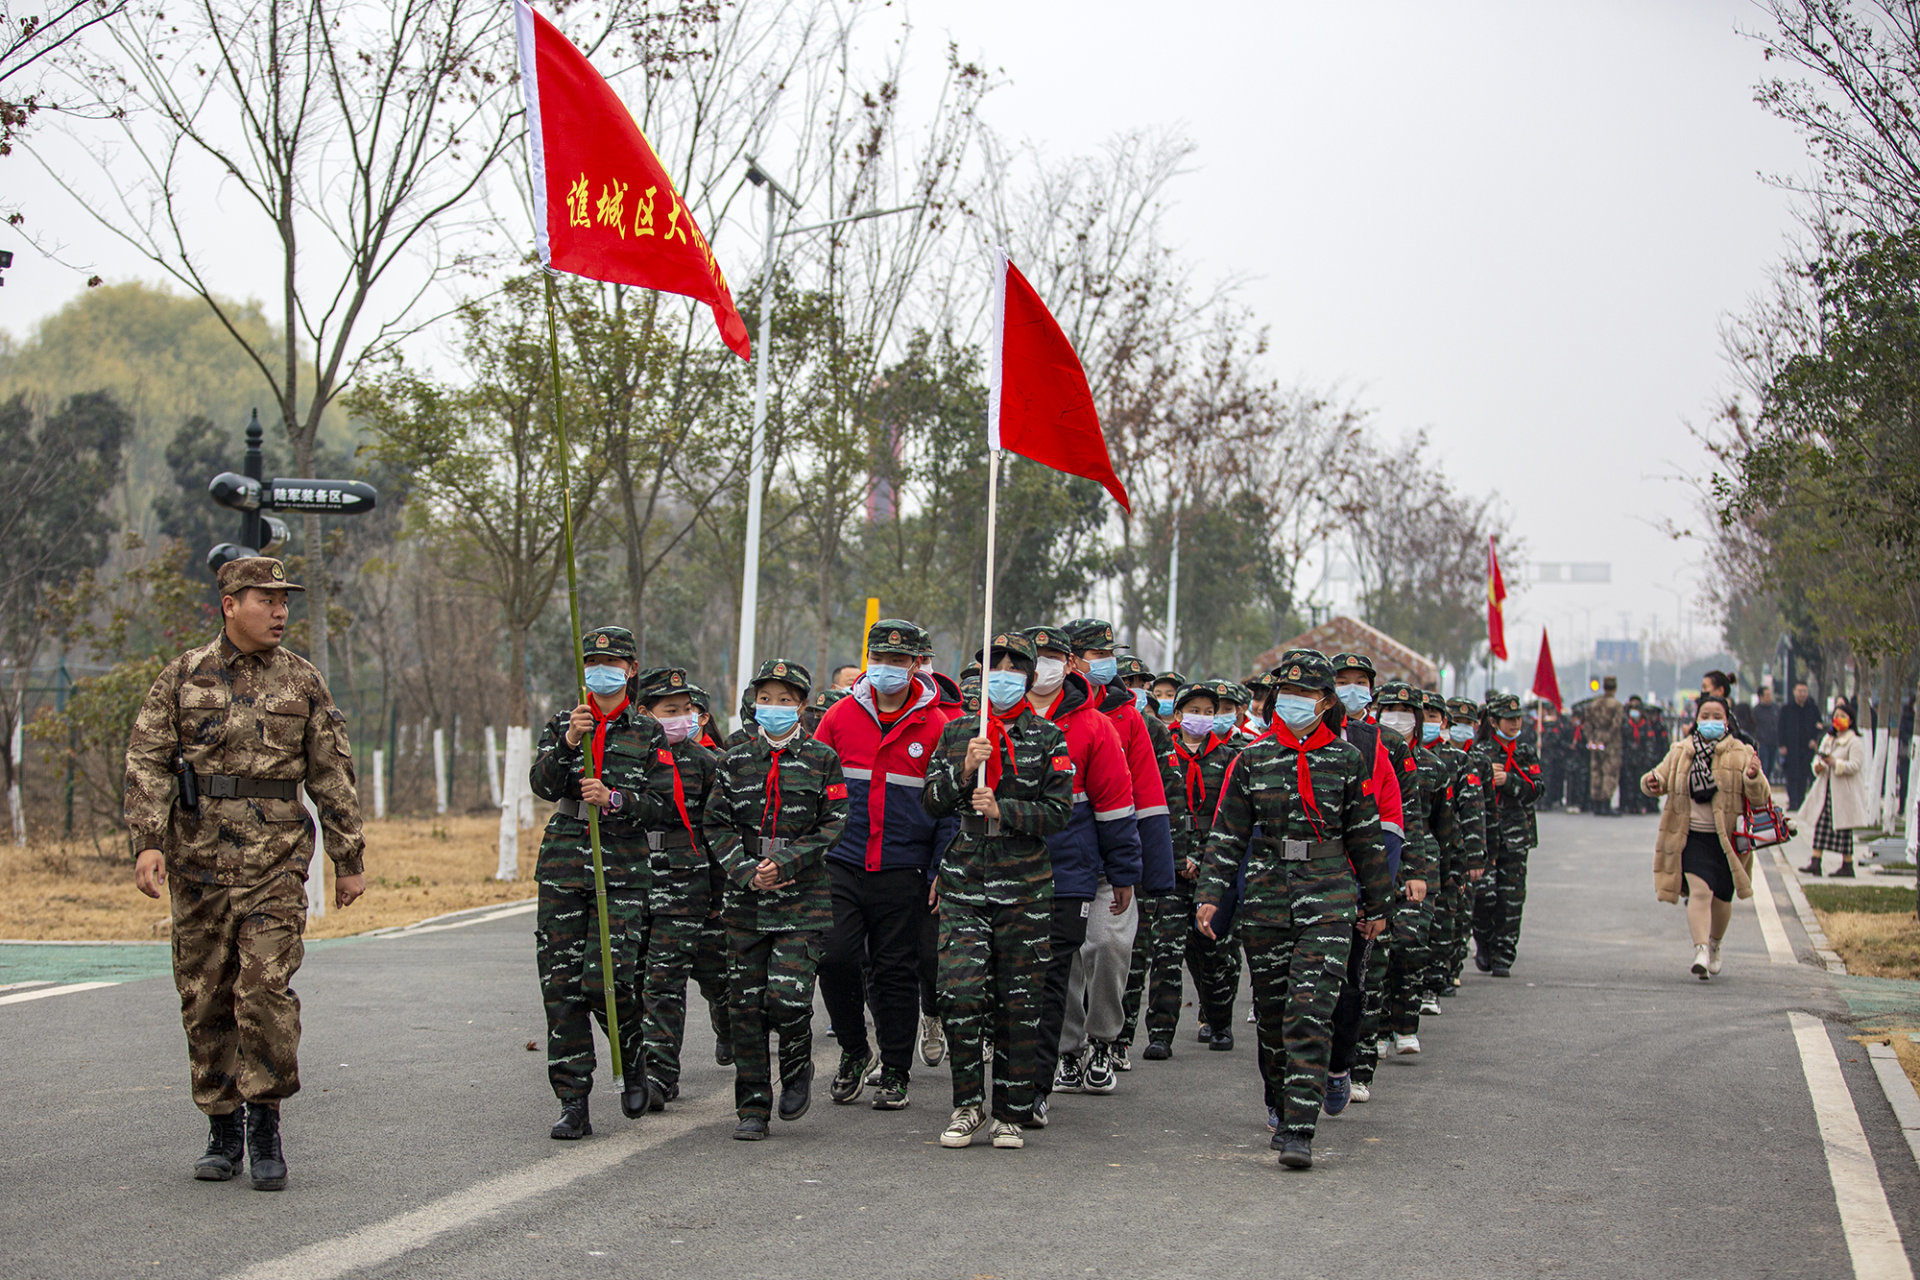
(517, 675)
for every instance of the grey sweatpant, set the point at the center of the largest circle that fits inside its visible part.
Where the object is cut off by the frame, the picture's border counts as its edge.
(1097, 988)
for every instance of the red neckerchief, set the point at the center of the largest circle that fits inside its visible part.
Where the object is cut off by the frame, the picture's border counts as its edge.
(1509, 746)
(668, 759)
(1320, 737)
(1192, 759)
(997, 735)
(771, 805)
(601, 723)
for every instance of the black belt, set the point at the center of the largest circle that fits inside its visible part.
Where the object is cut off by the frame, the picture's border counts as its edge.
(572, 808)
(226, 787)
(661, 841)
(1311, 850)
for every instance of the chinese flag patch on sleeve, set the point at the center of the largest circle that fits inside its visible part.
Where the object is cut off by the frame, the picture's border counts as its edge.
(665, 756)
(838, 791)
(1062, 764)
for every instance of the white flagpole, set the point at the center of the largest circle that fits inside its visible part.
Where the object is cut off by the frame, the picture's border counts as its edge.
(993, 471)
(986, 640)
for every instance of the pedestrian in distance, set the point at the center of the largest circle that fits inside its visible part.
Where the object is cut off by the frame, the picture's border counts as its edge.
(1800, 731)
(1839, 802)
(1706, 779)
(1766, 731)
(242, 724)
(1605, 724)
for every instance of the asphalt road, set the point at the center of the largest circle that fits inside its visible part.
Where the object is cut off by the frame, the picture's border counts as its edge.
(1601, 1113)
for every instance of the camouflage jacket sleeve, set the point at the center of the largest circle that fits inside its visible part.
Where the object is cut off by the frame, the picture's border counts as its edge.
(1421, 858)
(1226, 844)
(330, 783)
(1173, 781)
(725, 844)
(150, 752)
(641, 771)
(827, 815)
(556, 764)
(1442, 818)
(1367, 848)
(1470, 809)
(946, 786)
(1042, 805)
(1418, 857)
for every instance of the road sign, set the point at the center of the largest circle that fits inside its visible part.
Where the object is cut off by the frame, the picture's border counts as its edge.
(250, 495)
(1617, 653)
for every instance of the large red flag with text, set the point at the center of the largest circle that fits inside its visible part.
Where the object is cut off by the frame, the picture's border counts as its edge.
(603, 204)
(1039, 404)
(1546, 681)
(1496, 605)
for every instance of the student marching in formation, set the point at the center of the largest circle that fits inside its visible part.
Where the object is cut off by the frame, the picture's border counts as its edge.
(1028, 895)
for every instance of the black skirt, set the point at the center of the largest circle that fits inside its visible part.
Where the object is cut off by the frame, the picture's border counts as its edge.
(1704, 857)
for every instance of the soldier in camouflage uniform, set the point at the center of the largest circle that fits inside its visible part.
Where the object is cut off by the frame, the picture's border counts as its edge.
(995, 889)
(1467, 858)
(1514, 773)
(1297, 815)
(1138, 677)
(685, 889)
(252, 722)
(778, 805)
(1604, 723)
(605, 754)
(1432, 795)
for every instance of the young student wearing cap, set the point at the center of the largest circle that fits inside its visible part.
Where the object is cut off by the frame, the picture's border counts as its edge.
(1511, 835)
(686, 887)
(1100, 845)
(1429, 793)
(1097, 986)
(1199, 760)
(1456, 851)
(602, 754)
(1297, 819)
(1137, 677)
(1006, 792)
(1161, 693)
(779, 803)
(884, 730)
(705, 735)
(1471, 811)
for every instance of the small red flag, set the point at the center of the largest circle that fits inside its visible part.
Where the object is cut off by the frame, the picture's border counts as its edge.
(1546, 681)
(603, 204)
(1496, 605)
(1039, 403)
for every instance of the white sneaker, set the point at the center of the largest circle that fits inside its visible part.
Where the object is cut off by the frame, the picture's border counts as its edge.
(1361, 1092)
(933, 1040)
(1702, 959)
(1007, 1135)
(1430, 1008)
(873, 1076)
(966, 1122)
(1406, 1046)
(1250, 1014)
(1713, 957)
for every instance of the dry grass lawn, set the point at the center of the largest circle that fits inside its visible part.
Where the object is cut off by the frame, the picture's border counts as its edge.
(416, 868)
(1880, 944)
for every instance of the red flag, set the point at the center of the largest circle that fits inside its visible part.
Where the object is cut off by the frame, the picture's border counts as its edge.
(603, 204)
(1546, 681)
(1496, 605)
(1039, 404)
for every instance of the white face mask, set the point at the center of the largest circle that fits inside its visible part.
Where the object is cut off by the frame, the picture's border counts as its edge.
(1048, 675)
(1401, 722)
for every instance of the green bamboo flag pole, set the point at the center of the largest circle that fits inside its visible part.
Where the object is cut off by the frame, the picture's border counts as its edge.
(580, 670)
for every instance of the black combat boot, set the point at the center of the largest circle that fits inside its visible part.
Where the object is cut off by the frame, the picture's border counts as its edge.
(226, 1148)
(640, 1096)
(796, 1095)
(268, 1164)
(751, 1129)
(572, 1123)
(1296, 1152)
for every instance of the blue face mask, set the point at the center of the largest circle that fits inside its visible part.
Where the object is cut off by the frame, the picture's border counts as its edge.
(1504, 736)
(1102, 670)
(606, 679)
(1223, 723)
(1004, 688)
(1461, 732)
(1140, 701)
(1356, 698)
(1296, 712)
(1711, 729)
(1255, 725)
(1166, 707)
(774, 720)
(1431, 732)
(888, 680)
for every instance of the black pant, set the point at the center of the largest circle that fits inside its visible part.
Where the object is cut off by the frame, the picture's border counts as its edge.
(1347, 1011)
(1067, 931)
(873, 954)
(929, 965)
(1799, 775)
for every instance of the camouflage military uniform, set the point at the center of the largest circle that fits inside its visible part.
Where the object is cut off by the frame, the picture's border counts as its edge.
(254, 726)
(684, 936)
(786, 803)
(1314, 861)
(1604, 720)
(1413, 921)
(566, 923)
(1417, 862)
(1167, 914)
(1510, 838)
(996, 900)
(1453, 907)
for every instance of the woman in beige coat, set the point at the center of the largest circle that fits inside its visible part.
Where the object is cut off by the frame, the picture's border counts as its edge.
(1838, 803)
(1705, 777)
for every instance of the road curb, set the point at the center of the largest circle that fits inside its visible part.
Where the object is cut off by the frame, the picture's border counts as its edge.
(1900, 1093)
(1822, 949)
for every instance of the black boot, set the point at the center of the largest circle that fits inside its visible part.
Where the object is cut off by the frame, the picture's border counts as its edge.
(268, 1163)
(573, 1123)
(640, 1096)
(796, 1095)
(226, 1148)
(723, 1053)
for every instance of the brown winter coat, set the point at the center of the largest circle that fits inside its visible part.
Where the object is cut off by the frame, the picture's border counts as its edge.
(1730, 758)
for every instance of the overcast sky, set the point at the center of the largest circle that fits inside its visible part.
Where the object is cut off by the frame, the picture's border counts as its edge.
(1517, 225)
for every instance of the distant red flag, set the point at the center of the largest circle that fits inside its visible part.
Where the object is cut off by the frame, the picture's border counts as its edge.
(1546, 681)
(603, 204)
(1039, 403)
(1496, 605)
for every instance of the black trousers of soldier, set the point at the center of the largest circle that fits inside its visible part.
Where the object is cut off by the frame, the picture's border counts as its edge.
(1067, 930)
(872, 957)
(772, 976)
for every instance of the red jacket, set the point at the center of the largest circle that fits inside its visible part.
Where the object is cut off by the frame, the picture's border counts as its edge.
(887, 828)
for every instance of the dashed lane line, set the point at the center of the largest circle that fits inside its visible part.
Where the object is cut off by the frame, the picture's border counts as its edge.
(1873, 1238)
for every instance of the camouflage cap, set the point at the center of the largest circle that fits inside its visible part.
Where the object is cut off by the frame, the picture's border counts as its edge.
(970, 672)
(656, 683)
(1053, 638)
(1174, 678)
(1352, 662)
(702, 700)
(1431, 701)
(897, 636)
(1221, 690)
(1395, 693)
(787, 672)
(1131, 668)
(970, 695)
(236, 576)
(1501, 706)
(1261, 683)
(1089, 633)
(826, 698)
(1463, 709)
(1306, 669)
(607, 642)
(1008, 644)
(1188, 692)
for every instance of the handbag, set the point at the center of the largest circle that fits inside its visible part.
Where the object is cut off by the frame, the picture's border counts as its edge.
(1760, 827)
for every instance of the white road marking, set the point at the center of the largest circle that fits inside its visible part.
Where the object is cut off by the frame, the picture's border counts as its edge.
(382, 1242)
(455, 920)
(1873, 1239)
(1779, 950)
(42, 992)
(1899, 1091)
(22, 986)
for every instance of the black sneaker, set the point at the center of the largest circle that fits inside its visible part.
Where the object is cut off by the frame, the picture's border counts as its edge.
(1038, 1120)
(265, 1160)
(892, 1093)
(751, 1129)
(1222, 1041)
(226, 1148)
(1295, 1152)
(1481, 961)
(1069, 1076)
(1501, 971)
(1157, 1051)
(851, 1078)
(1122, 1059)
(1099, 1077)
(796, 1095)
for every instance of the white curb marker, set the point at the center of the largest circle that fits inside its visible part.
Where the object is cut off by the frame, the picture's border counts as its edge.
(1873, 1239)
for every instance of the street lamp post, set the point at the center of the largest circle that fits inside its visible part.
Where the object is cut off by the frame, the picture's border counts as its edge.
(756, 449)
